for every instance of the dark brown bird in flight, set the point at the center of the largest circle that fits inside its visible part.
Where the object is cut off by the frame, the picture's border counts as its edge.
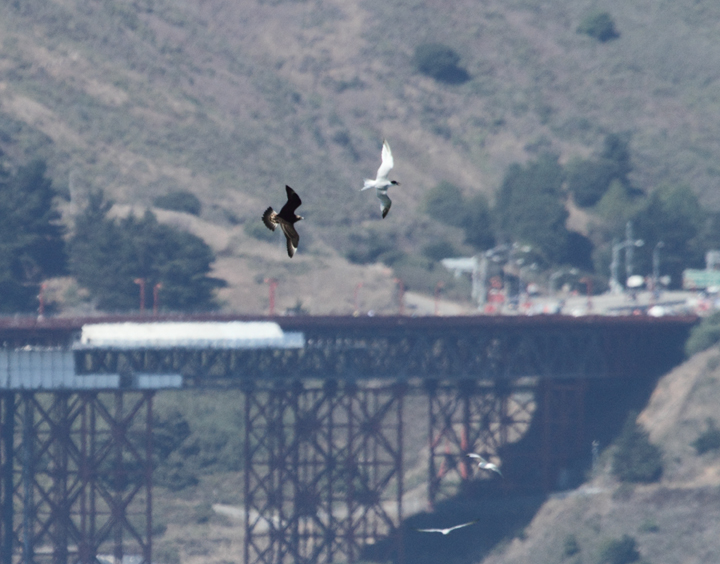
(286, 219)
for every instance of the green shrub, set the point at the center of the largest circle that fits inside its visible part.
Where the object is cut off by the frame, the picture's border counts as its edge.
(438, 250)
(588, 180)
(709, 439)
(599, 26)
(439, 62)
(179, 200)
(636, 459)
(444, 203)
(619, 551)
(704, 335)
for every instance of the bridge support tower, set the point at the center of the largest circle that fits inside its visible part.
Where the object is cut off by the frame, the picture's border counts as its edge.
(76, 472)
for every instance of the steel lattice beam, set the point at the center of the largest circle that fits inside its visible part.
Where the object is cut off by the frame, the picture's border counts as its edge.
(79, 483)
(480, 417)
(472, 348)
(323, 471)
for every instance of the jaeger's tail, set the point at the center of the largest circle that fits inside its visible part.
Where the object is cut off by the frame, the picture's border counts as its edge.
(267, 219)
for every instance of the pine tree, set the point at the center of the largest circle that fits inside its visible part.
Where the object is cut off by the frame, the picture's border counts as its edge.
(108, 255)
(31, 236)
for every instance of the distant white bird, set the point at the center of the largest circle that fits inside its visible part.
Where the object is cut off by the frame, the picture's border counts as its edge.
(484, 464)
(449, 529)
(381, 182)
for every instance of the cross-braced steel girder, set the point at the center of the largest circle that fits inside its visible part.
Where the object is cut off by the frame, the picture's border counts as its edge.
(323, 470)
(77, 471)
(472, 416)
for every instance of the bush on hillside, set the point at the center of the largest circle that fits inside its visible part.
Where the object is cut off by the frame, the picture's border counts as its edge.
(704, 335)
(619, 551)
(179, 200)
(445, 203)
(439, 62)
(636, 459)
(588, 180)
(599, 26)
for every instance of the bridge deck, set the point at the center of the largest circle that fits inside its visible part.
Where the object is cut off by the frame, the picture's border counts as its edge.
(351, 348)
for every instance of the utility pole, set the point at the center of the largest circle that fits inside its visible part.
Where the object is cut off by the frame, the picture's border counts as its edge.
(628, 250)
(141, 282)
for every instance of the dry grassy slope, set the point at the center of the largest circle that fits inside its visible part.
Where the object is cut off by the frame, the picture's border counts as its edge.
(674, 521)
(232, 100)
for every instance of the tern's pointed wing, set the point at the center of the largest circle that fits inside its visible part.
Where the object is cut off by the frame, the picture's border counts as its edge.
(385, 202)
(464, 524)
(293, 203)
(476, 456)
(293, 239)
(432, 530)
(387, 161)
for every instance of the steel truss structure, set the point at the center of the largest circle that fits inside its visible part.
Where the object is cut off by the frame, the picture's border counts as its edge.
(474, 416)
(437, 348)
(323, 474)
(76, 476)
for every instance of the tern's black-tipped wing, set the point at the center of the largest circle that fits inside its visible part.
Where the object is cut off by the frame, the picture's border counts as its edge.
(288, 210)
(385, 202)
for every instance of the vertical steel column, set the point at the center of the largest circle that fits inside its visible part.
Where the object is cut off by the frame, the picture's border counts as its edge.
(147, 553)
(319, 462)
(85, 554)
(28, 473)
(117, 438)
(59, 438)
(470, 416)
(7, 438)
(563, 414)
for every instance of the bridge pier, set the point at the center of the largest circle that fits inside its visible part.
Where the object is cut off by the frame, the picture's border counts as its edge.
(323, 470)
(78, 466)
(474, 416)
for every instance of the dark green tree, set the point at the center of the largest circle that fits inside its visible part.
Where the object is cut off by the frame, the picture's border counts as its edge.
(600, 26)
(31, 236)
(107, 256)
(673, 215)
(439, 62)
(530, 209)
(619, 551)
(477, 222)
(588, 180)
(446, 204)
(636, 459)
(616, 150)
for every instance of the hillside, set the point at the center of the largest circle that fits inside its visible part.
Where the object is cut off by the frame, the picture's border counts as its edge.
(232, 100)
(673, 521)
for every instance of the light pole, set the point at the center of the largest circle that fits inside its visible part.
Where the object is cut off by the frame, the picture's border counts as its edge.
(272, 284)
(438, 287)
(401, 296)
(656, 266)
(141, 282)
(615, 286)
(156, 298)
